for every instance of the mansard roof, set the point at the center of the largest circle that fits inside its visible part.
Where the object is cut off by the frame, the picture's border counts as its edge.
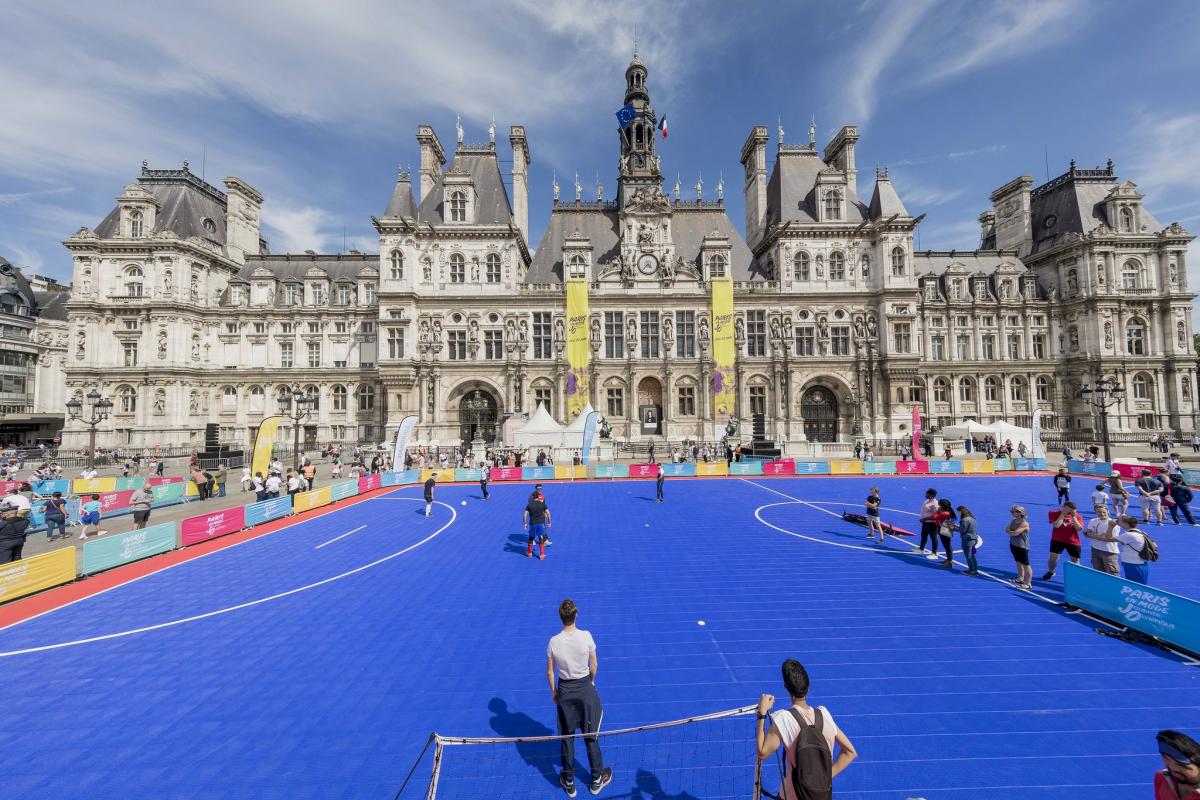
(1074, 202)
(401, 203)
(184, 202)
(52, 305)
(600, 224)
(971, 262)
(792, 188)
(491, 197)
(885, 203)
(43, 304)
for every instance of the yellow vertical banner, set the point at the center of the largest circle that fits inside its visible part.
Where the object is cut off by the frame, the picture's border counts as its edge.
(724, 347)
(263, 444)
(578, 347)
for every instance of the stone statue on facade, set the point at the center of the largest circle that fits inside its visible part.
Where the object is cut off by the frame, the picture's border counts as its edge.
(668, 331)
(631, 336)
(160, 402)
(860, 330)
(595, 336)
(739, 331)
(872, 330)
(704, 330)
(162, 344)
(1108, 336)
(80, 345)
(605, 429)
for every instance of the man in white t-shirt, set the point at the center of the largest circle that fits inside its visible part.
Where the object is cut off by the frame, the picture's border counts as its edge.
(785, 728)
(1104, 549)
(273, 485)
(1124, 532)
(15, 501)
(571, 671)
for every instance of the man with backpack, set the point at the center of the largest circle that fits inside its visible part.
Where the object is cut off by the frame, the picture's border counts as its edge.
(807, 735)
(1137, 549)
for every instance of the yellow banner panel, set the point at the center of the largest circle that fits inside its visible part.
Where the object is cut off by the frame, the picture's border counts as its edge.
(35, 573)
(724, 348)
(579, 349)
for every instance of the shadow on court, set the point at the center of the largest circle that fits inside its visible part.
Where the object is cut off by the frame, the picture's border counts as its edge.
(543, 756)
(516, 543)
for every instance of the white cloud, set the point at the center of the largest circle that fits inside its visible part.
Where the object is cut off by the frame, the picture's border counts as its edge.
(298, 229)
(919, 196)
(1168, 161)
(887, 38)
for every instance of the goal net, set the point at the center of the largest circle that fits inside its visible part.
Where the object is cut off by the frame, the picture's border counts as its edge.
(705, 757)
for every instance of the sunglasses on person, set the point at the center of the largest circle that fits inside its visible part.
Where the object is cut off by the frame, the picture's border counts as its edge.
(1173, 753)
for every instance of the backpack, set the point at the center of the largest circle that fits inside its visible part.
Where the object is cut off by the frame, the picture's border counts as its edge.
(1149, 549)
(812, 764)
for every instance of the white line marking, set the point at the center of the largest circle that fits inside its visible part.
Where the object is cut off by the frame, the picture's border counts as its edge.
(239, 606)
(347, 533)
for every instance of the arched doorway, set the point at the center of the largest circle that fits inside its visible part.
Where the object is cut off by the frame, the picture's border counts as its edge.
(650, 406)
(478, 416)
(819, 408)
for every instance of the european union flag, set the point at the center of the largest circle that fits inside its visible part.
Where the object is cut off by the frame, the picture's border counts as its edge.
(626, 115)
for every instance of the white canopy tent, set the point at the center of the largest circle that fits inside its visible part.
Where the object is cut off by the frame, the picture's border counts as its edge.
(540, 431)
(1000, 431)
(573, 433)
(969, 428)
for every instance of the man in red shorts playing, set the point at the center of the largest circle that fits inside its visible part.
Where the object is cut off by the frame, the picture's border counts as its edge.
(1067, 525)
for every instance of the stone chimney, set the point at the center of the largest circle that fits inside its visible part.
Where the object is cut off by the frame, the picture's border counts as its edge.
(840, 153)
(433, 158)
(754, 162)
(987, 227)
(520, 178)
(242, 212)
(1014, 229)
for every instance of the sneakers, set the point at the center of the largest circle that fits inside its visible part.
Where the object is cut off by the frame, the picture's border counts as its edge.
(547, 541)
(604, 780)
(567, 785)
(931, 557)
(1048, 576)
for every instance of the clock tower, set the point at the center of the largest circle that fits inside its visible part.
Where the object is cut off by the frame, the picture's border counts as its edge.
(646, 242)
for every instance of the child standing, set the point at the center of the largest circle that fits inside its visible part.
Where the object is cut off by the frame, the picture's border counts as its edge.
(91, 517)
(1100, 497)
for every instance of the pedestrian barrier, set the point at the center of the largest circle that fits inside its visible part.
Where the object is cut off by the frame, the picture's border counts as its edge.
(537, 473)
(35, 573)
(746, 468)
(209, 526)
(1172, 618)
(342, 490)
(307, 501)
(267, 510)
(784, 467)
(945, 467)
(679, 470)
(113, 551)
(93, 485)
(846, 467)
(1101, 469)
(879, 467)
(812, 468)
(506, 473)
(1002, 464)
(569, 472)
(642, 471)
(978, 467)
(467, 475)
(368, 482)
(712, 469)
(606, 471)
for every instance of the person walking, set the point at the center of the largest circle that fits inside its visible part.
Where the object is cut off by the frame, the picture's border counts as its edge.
(874, 526)
(1182, 496)
(485, 475)
(658, 485)
(536, 520)
(310, 474)
(1104, 549)
(56, 517)
(1018, 544)
(219, 479)
(808, 736)
(1118, 492)
(650, 454)
(430, 482)
(571, 666)
(1065, 536)
(1062, 484)
(968, 531)
(142, 501)
(944, 519)
(928, 527)
(1150, 491)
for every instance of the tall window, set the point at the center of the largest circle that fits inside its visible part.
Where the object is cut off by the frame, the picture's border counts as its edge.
(991, 390)
(131, 354)
(458, 207)
(806, 340)
(716, 266)
(339, 397)
(937, 348)
(1135, 338)
(941, 390)
(756, 332)
(1043, 389)
(801, 264)
(457, 340)
(615, 400)
(1131, 275)
(313, 395)
(577, 268)
(493, 268)
(989, 347)
(837, 266)
(897, 261)
(314, 354)
(395, 342)
(1014, 345)
(687, 401)
(135, 224)
(133, 282)
(366, 397)
(903, 337)
(685, 334)
(758, 400)
(493, 345)
(343, 294)
(128, 399)
(966, 390)
(543, 395)
(833, 204)
(962, 347)
(1017, 389)
(369, 293)
(614, 334)
(839, 340)
(916, 391)
(650, 339)
(1039, 345)
(543, 335)
(1126, 220)
(396, 262)
(317, 290)
(458, 268)
(258, 399)
(1141, 387)
(292, 295)
(286, 354)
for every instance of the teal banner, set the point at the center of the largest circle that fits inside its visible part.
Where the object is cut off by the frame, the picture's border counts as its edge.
(1101, 469)
(404, 478)
(945, 467)
(124, 484)
(113, 551)
(1163, 615)
(879, 467)
(467, 475)
(679, 470)
(52, 486)
(1192, 477)
(537, 473)
(609, 471)
(746, 468)
(1029, 464)
(166, 494)
(267, 510)
(1003, 464)
(343, 489)
(812, 468)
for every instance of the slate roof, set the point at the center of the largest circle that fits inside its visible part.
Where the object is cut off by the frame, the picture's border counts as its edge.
(46, 305)
(292, 268)
(1074, 203)
(491, 197)
(52, 305)
(184, 201)
(401, 203)
(884, 201)
(792, 189)
(976, 262)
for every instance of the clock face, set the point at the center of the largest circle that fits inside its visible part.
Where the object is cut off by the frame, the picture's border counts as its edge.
(647, 264)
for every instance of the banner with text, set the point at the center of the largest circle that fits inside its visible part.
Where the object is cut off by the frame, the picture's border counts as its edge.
(579, 349)
(724, 349)
(344, 489)
(35, 573)
(264, 442)
(1163, 615)
(403, 434)
(679, 470)
(166, 494)
(113, 551)
(307, 501)
(368, 482)
(404, 478)
(589, 433)
(210, 526)
(269, 509)
(1036, 433)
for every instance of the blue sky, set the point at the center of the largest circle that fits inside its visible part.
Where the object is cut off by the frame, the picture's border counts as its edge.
(316, 104)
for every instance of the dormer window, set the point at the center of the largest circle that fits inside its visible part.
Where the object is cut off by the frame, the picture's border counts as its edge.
(343, 294)
(1126, 220)
(931, 291)
(236, 297)
(135, 224)
(458, 207)
(833, 205)
(291, 295)
(317, 292)
(717, 266)
(578, 267)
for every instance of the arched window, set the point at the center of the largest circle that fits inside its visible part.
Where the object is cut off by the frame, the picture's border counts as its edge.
(458, 268)
(1131, 275)
(833, 204)
(133, 281)
(339, 397)
(396, 260)
(1127, 220)
(941, 390)
(366, 398)
(258, 399)
(897, 261)
(966, 390)
(837, 266)
(800, 262)
(314, 397)
(493, 268)
(991, 389)
(1043, 389)
(128, 397)
(716, 266)
(135, 224)
(1135, 338)
(865, 262)
(1141, 386)
(229, 399)
(458, 207)
(577, 268)
(1017, 389)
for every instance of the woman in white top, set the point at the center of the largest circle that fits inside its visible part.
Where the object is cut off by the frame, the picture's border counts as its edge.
(1132, 541)
(1104, 548)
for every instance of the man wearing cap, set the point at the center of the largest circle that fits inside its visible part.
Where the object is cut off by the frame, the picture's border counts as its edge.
(1180, 780)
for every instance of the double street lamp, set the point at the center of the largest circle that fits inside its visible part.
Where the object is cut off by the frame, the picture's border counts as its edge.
(1104, 394)
(297, 406)
(98, 409)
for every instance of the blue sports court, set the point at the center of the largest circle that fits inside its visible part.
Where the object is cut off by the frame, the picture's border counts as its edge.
(314, 662)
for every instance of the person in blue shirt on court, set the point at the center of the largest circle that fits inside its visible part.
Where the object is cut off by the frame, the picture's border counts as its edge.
(91, 517)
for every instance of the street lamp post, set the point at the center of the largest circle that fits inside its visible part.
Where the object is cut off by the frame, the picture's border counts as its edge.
(98, 409)
(297, 405)
(856, 403)
(1103, 395)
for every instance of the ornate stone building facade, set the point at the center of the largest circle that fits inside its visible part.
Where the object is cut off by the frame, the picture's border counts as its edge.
(182, 317)
(33, 342)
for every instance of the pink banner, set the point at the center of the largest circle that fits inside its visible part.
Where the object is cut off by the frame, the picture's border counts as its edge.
(210, 526)
(115, 501)
(368, 482)
(643, 470)
(8, 486)
(1132, 472)
(506, 473)
(786, 466)
(916, 467)
(916, 431)
(155, 480)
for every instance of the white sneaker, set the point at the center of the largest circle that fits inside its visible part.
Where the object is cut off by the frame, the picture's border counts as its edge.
(931, 557)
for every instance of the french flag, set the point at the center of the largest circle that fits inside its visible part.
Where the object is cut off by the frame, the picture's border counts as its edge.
(662, 126)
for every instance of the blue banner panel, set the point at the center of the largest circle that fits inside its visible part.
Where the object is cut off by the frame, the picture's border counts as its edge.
(610, 471)
(405, 478)
(812, 468)
(343, 489)
(1031, 464)
(267, 510)
(879, 467)
(113, 551)
(537, 473)
(1101, 469)
(1166, 616)
(679, 470)
(746, 468)
(52, 486)
(1003, 464)
(1192, 477)
(468, 475)
(944, 467)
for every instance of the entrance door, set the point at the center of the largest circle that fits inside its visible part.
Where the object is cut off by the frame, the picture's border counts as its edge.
(478, 414)
(818, 407)
(310, 437)
(650, 406)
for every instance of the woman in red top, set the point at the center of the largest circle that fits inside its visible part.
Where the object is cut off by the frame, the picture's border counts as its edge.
(1067, 525)
(943, 518)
